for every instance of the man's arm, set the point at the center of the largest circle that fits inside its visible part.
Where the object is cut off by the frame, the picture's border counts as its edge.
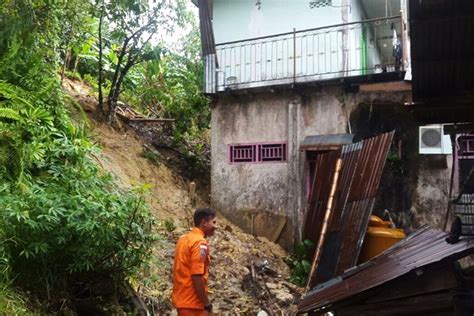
(198, 283)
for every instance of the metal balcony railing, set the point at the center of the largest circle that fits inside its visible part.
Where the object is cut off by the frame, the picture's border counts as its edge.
(350, 49)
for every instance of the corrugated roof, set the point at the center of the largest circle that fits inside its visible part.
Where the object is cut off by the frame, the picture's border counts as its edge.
(205, 24)
(423, 247)
(326, 142)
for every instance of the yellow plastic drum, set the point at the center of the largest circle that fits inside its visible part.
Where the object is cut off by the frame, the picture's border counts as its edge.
(379, 238)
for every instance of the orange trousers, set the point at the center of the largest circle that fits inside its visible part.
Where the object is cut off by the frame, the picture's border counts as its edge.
(190, 312)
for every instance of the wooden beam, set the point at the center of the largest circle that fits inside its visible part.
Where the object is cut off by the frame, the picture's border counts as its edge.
(386, 86)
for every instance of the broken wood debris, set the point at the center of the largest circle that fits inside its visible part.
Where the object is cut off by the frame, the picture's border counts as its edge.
(128, 114)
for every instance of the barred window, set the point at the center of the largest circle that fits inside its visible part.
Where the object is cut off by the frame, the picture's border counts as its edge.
(243, 153)
(258, 152)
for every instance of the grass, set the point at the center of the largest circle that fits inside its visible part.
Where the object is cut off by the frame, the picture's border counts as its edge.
(12, 303)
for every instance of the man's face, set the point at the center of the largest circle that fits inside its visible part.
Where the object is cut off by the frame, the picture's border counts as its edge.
(209, 226)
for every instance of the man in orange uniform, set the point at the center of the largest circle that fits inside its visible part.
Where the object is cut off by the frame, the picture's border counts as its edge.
(190, 268)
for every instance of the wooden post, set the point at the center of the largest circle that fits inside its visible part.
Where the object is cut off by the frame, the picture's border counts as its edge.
(192, 193)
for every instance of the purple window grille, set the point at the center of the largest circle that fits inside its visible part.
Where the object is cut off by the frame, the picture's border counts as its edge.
(272, 152)
(258, 152)
(243, 153)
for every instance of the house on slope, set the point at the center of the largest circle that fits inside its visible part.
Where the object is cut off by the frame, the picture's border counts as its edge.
(291, 79)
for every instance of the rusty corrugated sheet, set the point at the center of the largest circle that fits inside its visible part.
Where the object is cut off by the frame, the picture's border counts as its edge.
(361, 197)
(205, 24)
(424, 247)
(362, 166)
(318, 199)
(208, 46)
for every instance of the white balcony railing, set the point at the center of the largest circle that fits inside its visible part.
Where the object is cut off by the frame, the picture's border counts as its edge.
(351, 49)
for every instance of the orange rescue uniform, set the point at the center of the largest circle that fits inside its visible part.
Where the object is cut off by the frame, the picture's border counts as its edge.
(191, 257)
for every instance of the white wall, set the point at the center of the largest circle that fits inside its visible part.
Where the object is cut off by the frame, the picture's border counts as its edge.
(242, 19)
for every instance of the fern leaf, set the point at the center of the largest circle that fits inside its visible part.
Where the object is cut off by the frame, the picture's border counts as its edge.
(11, 92)
(9, 114)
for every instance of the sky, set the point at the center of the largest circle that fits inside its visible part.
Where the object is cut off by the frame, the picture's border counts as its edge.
(172, 40)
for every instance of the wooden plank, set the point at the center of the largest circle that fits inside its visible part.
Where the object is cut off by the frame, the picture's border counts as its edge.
(267, 224)
(150, 120)
(277, 232)
(385, 86)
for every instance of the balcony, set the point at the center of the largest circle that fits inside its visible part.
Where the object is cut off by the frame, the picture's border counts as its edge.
(337, 51)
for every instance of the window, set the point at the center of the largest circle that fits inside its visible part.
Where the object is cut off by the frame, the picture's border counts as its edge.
(465, 158)
(257, 153)
(243, 153)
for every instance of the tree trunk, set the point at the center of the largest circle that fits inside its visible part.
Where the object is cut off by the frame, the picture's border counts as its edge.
(116, 87)
(65, 62)
(101, 97)
(76, 63)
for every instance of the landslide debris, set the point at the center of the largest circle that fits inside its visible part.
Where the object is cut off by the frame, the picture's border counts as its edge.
(248, 274)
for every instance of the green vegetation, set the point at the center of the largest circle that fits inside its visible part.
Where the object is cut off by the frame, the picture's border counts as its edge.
(12, 303)
(60, 215)
(299, 264)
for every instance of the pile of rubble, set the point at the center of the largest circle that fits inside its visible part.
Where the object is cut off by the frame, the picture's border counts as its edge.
(247, 275)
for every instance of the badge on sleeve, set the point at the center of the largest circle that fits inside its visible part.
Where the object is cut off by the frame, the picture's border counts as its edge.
(203, 252)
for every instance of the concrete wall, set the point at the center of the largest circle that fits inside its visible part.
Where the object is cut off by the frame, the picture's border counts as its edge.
(414, 188)
(257, 196)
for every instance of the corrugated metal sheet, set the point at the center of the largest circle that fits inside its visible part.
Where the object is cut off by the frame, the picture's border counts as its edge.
(362, 166)
(208, 46)
(424, 247)
(442, 53)
(318, 199)
(207, 33)
(326, 142)
(361, 196)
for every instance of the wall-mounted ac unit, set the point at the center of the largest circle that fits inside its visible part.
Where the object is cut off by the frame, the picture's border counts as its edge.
(433, 141)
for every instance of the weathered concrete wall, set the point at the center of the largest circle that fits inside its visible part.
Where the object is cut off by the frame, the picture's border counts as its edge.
(414, 188)
(256, 196)
(243, 191)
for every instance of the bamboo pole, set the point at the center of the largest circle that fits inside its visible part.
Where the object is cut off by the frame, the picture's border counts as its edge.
(324, 228)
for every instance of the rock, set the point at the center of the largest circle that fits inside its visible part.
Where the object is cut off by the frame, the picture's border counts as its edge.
(283, 297)
(272, 286)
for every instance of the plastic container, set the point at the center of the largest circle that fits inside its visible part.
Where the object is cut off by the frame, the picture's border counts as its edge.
(379, 237)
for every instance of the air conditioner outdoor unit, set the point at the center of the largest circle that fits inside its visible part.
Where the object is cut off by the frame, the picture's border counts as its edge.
(433, 140)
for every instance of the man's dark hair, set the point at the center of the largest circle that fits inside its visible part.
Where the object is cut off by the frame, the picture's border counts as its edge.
(203, 213)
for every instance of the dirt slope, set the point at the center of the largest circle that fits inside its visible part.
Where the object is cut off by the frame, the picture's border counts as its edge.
(247, 273)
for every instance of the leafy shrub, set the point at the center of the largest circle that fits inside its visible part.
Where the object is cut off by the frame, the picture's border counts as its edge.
(59, 214)
(299, 264)
(73, 220)
(12, 303)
